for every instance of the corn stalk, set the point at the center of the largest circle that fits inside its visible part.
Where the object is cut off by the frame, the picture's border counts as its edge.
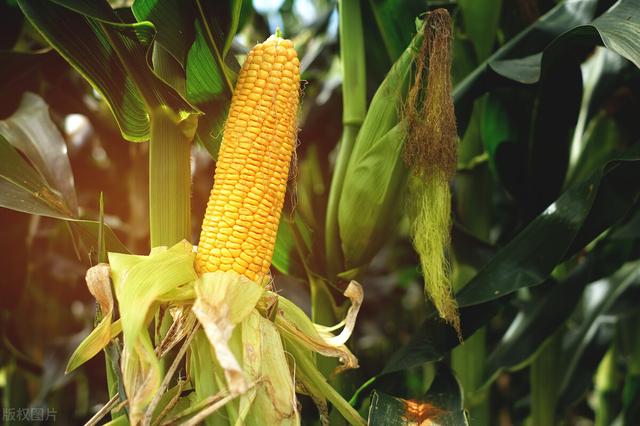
(474, 206)
(354, 101)
(169, 164)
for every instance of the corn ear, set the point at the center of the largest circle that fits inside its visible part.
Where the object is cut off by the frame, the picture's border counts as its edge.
(240, 225)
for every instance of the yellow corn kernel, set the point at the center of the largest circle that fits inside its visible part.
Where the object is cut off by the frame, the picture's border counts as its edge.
(238, 230)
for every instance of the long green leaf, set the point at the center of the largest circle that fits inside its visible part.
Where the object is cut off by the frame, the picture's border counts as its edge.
(31, 130)
(211, 70)
(111, 55)
(173, 20)
(598, 299)
(23, 189)
(481, 23)
(532, 40)
(553, 304)
(521, 262)
(199, 35)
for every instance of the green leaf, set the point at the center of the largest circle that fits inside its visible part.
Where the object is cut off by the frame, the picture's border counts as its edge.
(505, 131)
(529, 258)
(395, 20)
(445, 393)
(199, 35)
(532, 40)
(23, 189)
(434, 338)
(552, 304)
(470, 250)
(599, 297)
(557, 103)
(173, 20)
(597, 133)
(31, 131)
(481, 23)
(17, 65)
(286, 254)
(619, 29)
(99, 337)
(211, 70)
(111, 55)
(555, 113)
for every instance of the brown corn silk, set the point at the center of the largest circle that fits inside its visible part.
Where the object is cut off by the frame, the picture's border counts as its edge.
(431, 148)
(431, 155)
(243, 212)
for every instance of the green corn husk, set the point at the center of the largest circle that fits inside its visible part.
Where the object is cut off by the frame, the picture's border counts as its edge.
(376, 157)
(253, 363)
(137, 287)
(247, 349)
(398, 140)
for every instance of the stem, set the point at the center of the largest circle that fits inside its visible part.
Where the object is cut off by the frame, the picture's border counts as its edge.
(474, 211)
(354, 100)
(607, 383)
(544, 382)
(169, 165)
(333, 249)
(169, 181)
(103, 411)
(468, 363)
(169, 172)
(322, 312)
(316, 384)
(146, 421)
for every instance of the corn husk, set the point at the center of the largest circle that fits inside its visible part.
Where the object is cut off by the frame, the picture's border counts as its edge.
(252, 351)
(376, 157)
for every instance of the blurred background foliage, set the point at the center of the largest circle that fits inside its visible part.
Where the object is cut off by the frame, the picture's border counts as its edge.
(546, 220)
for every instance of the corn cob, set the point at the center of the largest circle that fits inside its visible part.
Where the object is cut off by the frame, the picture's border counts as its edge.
(243, 212)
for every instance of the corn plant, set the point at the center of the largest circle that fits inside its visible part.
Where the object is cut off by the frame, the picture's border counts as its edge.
(420, 212)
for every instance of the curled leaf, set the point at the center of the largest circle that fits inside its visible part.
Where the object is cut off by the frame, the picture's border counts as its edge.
(356, 295)
(97, 279)
(295, 324)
